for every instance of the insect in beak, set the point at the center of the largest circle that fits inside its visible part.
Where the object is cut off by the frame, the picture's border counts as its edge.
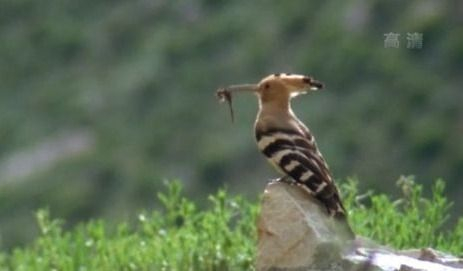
(225, 94)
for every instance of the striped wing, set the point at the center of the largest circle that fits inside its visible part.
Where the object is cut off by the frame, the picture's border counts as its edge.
(296, 154)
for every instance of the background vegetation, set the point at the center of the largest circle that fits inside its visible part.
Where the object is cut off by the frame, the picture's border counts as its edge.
(102, 100)
(223, 236)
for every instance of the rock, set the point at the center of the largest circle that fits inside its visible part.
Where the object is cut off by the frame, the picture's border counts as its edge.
(404, 260)
(295, 233)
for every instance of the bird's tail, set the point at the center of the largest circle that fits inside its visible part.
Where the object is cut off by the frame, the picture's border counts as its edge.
(336, 209)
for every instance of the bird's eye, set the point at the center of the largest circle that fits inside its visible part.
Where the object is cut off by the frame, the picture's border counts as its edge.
(267, 86)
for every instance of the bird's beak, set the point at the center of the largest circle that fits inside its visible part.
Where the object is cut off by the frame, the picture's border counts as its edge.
(240, 88)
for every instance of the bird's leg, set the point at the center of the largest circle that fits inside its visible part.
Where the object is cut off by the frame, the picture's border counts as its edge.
(287, 180)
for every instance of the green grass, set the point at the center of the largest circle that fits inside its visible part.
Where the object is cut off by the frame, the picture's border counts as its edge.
(223, 236)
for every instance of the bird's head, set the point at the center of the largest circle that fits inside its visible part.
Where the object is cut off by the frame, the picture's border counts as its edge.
(284, 86)
(274, 91)
(279, 86)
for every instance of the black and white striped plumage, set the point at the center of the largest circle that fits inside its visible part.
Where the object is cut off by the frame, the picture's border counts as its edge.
(294, 153)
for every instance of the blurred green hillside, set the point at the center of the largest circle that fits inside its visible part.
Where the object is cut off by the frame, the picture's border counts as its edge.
(102, 100)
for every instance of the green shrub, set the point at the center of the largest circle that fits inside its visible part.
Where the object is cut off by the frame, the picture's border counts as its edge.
(223, 237)
(410, 221)
(178, 238)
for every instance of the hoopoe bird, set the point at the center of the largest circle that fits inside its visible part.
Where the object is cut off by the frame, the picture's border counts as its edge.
(286, 142)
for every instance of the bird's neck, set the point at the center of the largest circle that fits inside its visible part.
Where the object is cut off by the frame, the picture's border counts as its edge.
(281, 106)
(275, 114)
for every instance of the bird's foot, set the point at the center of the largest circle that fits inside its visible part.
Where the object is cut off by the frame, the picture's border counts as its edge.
(286, 180)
